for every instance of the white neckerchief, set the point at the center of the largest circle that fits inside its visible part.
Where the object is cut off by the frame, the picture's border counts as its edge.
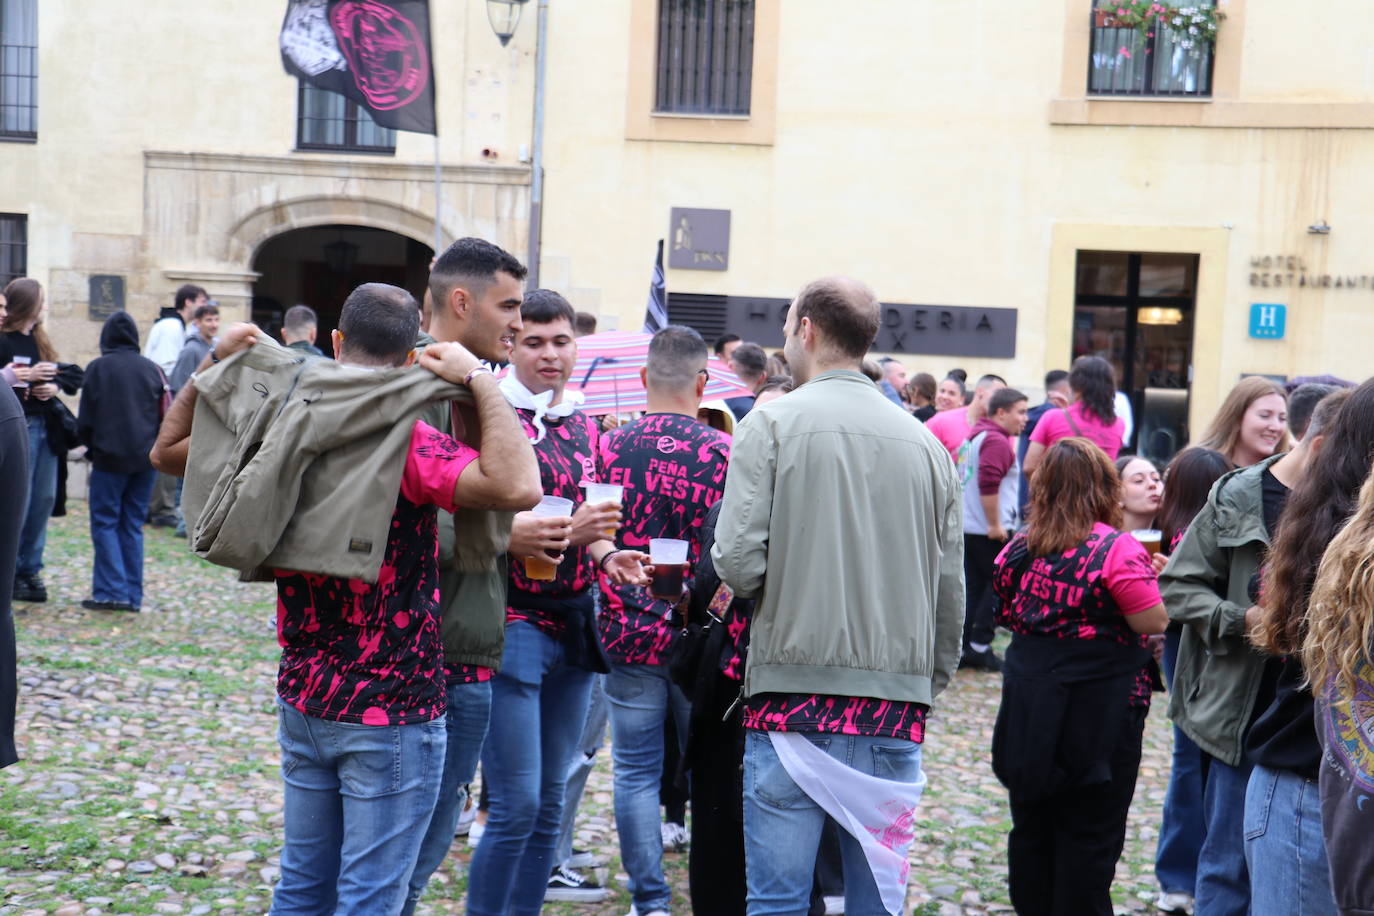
(520, 398)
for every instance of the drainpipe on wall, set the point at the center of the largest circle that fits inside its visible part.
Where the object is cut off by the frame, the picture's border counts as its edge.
(537, 148)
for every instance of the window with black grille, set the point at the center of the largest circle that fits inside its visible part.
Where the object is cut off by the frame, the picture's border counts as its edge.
(329, 121)
(705, 56)
(1169, 59)
(18, 69)
(14, 246)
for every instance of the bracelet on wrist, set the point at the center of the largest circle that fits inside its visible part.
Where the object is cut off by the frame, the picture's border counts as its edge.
(608, 555)
(478, 370)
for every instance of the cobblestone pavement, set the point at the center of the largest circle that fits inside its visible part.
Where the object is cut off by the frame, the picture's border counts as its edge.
(149, 782)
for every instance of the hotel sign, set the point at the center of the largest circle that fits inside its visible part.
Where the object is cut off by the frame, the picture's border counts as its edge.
(1289, 271)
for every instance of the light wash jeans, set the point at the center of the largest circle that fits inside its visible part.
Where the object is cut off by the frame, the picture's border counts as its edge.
(469, 711)
(42, 487)
(538, 705)
(1284, 848)
(583, 762)
(1223, 881)
(358, 800)
(782, 825)
(639, 697)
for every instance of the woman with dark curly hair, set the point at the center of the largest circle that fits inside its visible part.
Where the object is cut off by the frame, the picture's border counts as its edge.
(1080, 598)
(1091, 413)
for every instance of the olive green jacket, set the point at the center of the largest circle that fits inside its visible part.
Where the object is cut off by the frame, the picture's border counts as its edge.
(843, 516)
(1206, 587)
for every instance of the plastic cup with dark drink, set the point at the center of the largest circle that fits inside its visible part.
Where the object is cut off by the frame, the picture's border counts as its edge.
(603, 493)
(542, 566)
(669, 557)
(1151, 538)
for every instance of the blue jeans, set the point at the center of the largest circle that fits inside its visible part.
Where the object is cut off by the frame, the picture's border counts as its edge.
(119, 504)
(469, 711)
(639, 697)
(1182, 827)
(357, 802)
(782, 825)
(42, 494)
(1223, 881)
(1284, 848)
(583, 762)
(538, 707)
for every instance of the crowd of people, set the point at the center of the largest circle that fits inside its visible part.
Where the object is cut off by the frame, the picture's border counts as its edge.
(763, 607)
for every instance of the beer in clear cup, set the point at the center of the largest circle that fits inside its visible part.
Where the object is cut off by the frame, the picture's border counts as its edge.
(542, 566)
(669, 558)
(601, 493)
(1152, 538)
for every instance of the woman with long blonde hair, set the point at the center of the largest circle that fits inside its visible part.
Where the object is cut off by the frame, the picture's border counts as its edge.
(1337, 655)
(1251, 424)
(1079, 597)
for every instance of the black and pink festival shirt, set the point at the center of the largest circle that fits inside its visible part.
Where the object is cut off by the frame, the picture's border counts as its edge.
(673, 469)
(372, 654)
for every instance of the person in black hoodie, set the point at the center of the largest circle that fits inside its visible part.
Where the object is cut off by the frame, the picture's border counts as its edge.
(14, 465)
(121, 408)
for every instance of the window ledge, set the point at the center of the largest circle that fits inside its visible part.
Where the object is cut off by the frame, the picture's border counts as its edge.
(344, 151)
(8, 139)
(695, 116)
(1155, 111)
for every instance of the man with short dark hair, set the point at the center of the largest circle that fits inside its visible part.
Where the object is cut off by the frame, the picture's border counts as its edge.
(725, 346)
(673, 469)
(163, 346)
(952, 427)
(991, 508)
(842, 518)
(1302, 402)
(585, 324)
(200, 337)
(299, 328)
(750, 363)
(1056, 398)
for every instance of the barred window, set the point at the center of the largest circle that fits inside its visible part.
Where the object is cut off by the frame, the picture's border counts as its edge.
(705, 56)
(329, 121)
(14, 247)
(19, 69)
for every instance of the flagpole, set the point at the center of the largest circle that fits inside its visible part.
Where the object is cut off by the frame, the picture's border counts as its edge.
(438, 196)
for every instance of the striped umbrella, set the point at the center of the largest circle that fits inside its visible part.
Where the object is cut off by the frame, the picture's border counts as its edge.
(607, 372)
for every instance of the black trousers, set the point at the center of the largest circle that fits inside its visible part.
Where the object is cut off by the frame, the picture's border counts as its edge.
(715, 864)
(980, 602)
(1062, 850)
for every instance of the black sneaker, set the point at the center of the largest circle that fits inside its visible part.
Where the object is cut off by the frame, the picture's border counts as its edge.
(574, 887)
(986, 660)
(163, 521)
(29, 588)
(91, 604)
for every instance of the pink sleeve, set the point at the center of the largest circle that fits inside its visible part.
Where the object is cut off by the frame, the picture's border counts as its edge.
(1130, 577)
(433, 464)
(1050, 429)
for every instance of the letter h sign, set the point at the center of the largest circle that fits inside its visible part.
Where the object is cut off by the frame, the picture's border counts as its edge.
(1268, 321)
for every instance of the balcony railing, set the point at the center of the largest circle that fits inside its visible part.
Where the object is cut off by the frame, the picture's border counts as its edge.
(1122, 62)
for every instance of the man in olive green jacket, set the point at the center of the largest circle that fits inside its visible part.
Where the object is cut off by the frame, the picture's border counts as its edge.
(842, 516)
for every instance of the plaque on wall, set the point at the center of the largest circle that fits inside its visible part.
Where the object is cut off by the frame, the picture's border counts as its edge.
(700, 239)
(106, 296)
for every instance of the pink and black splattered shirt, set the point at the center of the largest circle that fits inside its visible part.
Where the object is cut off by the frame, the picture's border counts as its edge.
(372, 654)
(1084, 593)
(673, 470)
(567, 458)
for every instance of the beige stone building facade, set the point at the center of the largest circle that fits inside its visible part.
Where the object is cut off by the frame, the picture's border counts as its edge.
(1020, 182)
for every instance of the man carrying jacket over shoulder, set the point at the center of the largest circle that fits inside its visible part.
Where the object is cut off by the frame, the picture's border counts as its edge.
(361, 686)
(843, 518)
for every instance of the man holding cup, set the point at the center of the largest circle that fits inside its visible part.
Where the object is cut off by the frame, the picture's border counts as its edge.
(552, 652)
(673, 469)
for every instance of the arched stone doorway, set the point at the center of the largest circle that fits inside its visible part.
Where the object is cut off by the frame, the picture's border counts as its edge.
(320, 265)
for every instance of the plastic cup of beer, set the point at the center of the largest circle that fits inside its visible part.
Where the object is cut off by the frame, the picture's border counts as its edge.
(669, 557)
(543, 567)
(601, 493)
(1152, 538)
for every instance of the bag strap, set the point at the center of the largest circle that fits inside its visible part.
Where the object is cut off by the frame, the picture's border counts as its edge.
(1073, 424)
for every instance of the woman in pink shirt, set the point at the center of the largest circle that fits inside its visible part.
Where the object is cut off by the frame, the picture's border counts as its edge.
(1091, 413)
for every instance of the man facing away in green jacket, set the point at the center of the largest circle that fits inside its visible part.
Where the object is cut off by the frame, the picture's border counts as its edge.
(842, 516)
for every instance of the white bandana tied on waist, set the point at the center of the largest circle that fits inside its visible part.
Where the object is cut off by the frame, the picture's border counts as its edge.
(520, 398)
(879, 813)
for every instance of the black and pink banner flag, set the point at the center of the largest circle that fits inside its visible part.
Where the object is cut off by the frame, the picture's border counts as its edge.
(375, 52)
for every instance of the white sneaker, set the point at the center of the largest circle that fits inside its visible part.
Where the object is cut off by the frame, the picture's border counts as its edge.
(635, 912)
(1174, 902)
(466, 817)
(834, 905)
(475, 832)
(674, 837)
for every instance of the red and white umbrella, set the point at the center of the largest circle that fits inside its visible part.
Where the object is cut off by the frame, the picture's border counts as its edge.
(607, 373)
